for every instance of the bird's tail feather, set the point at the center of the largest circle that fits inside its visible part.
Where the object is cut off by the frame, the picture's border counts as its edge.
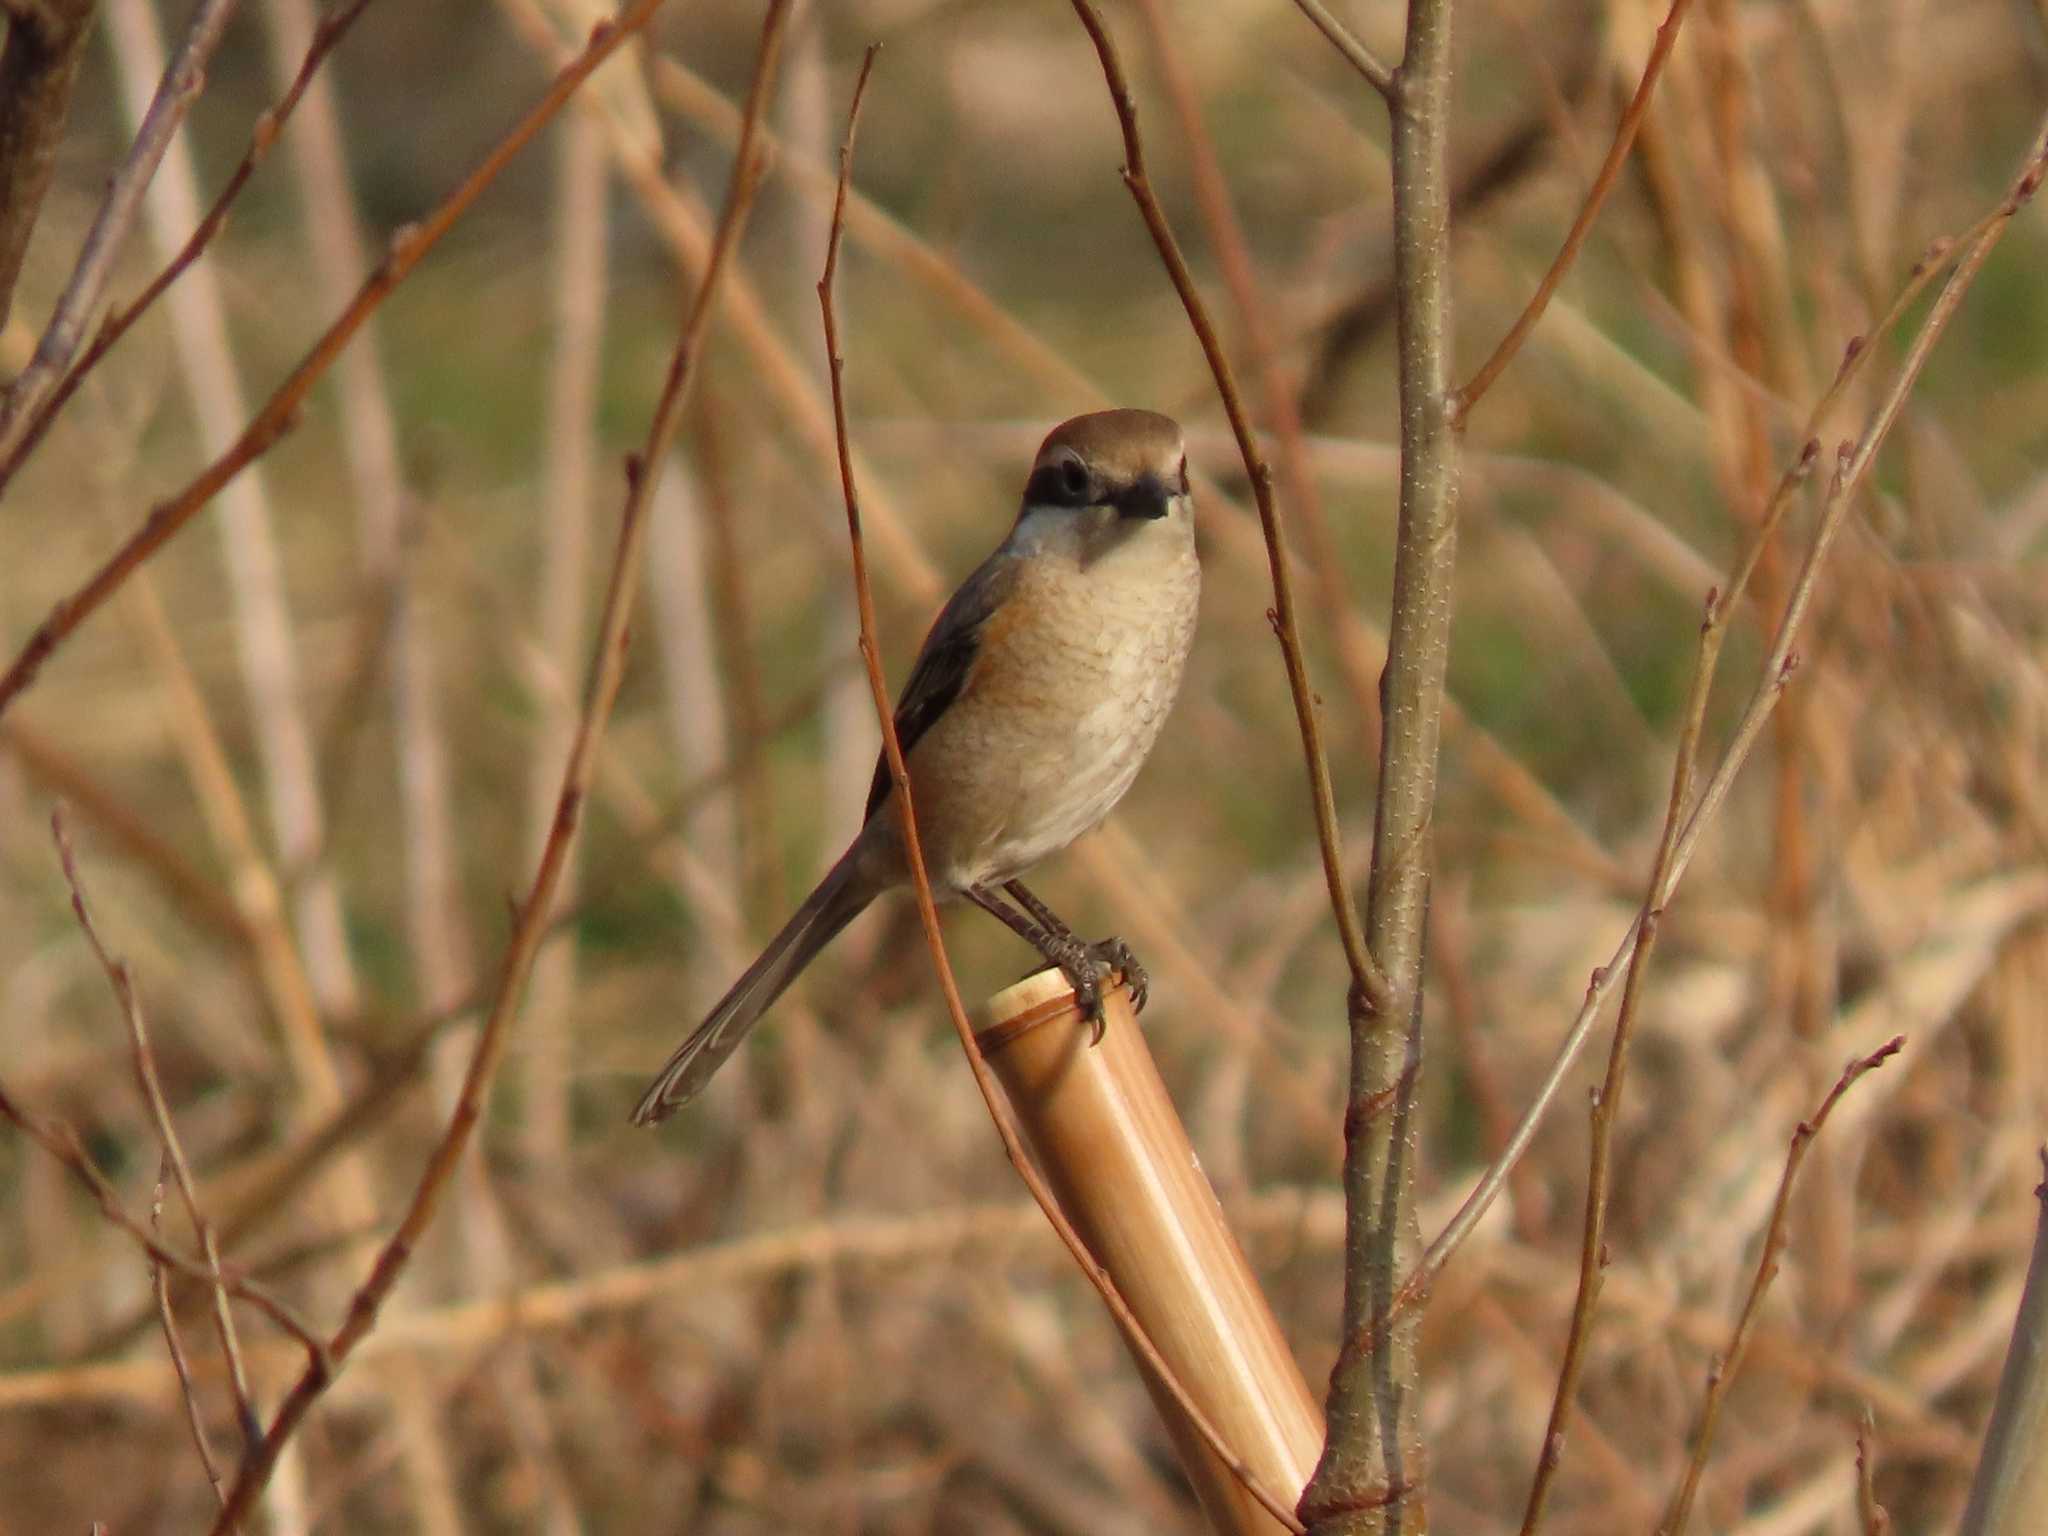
(840, 897)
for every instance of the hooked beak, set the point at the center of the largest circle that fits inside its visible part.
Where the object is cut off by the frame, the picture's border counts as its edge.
(1147, 497)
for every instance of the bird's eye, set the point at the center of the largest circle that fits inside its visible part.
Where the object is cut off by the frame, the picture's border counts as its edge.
(1074, 478)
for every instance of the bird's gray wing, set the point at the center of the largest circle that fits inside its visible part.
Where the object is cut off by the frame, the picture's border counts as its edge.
(946, 661)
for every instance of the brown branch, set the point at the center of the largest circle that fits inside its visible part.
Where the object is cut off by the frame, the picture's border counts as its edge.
(166, 1131)
(38, 69)
(1607, 1097)
(1283, 415)
(407, 248)
(1596, 197)
(607, 670)
(183, 80)
(1368, 982)
(160, 1290)
(16, 444)
(928, 913)
(1853, 463)
(147, 1078)
(61, 1141)
(1722, 1374)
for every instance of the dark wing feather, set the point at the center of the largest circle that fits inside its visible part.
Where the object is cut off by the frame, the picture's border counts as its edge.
(946, 660)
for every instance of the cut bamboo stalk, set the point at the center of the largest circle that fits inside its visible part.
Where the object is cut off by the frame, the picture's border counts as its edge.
(1101, 1127)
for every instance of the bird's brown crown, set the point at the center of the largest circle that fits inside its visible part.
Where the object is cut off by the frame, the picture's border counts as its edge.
(1120, 445)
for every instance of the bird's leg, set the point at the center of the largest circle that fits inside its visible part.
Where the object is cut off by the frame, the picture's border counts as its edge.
(1076, 960)
(1112, 952)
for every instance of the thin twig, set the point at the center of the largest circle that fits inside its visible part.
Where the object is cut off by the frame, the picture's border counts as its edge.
(182, 82)
(408, 246)
(899, 775)
(61, 1141)
(1607, 1098)
(1366, 977)
(167, 1133)
(1278, 397)
(1596, 197)
(17, 444)
(195, 1421)
(607, 670)
(1356, 54)
(1975, 246)
(1722, 1373)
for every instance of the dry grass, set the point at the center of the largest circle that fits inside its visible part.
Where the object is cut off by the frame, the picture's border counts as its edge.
(818, 1301)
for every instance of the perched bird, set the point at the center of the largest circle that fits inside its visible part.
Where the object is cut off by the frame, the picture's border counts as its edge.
(1034, 702)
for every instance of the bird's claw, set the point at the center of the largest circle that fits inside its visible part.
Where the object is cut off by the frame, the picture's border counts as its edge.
(1114, 953)
(1088, 966)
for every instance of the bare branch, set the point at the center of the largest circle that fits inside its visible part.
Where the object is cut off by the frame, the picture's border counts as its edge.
(183, 80)
(1871, 1513)
(167, 1135)
(1366, 978)
(19, 439)
(1730, 1361)
(1582, 226)
(61, 1141)
(195, 1421)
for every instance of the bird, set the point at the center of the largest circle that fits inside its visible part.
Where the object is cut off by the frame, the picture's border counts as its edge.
(1034, 701)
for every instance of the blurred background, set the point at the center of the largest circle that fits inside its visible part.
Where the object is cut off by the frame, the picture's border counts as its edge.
(309, 754)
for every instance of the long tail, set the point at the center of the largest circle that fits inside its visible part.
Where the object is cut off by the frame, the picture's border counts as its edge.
(840, 897)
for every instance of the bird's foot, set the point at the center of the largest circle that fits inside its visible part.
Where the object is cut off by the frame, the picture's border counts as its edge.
(1117, 955)
(1086, 970)
(1089, 967)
